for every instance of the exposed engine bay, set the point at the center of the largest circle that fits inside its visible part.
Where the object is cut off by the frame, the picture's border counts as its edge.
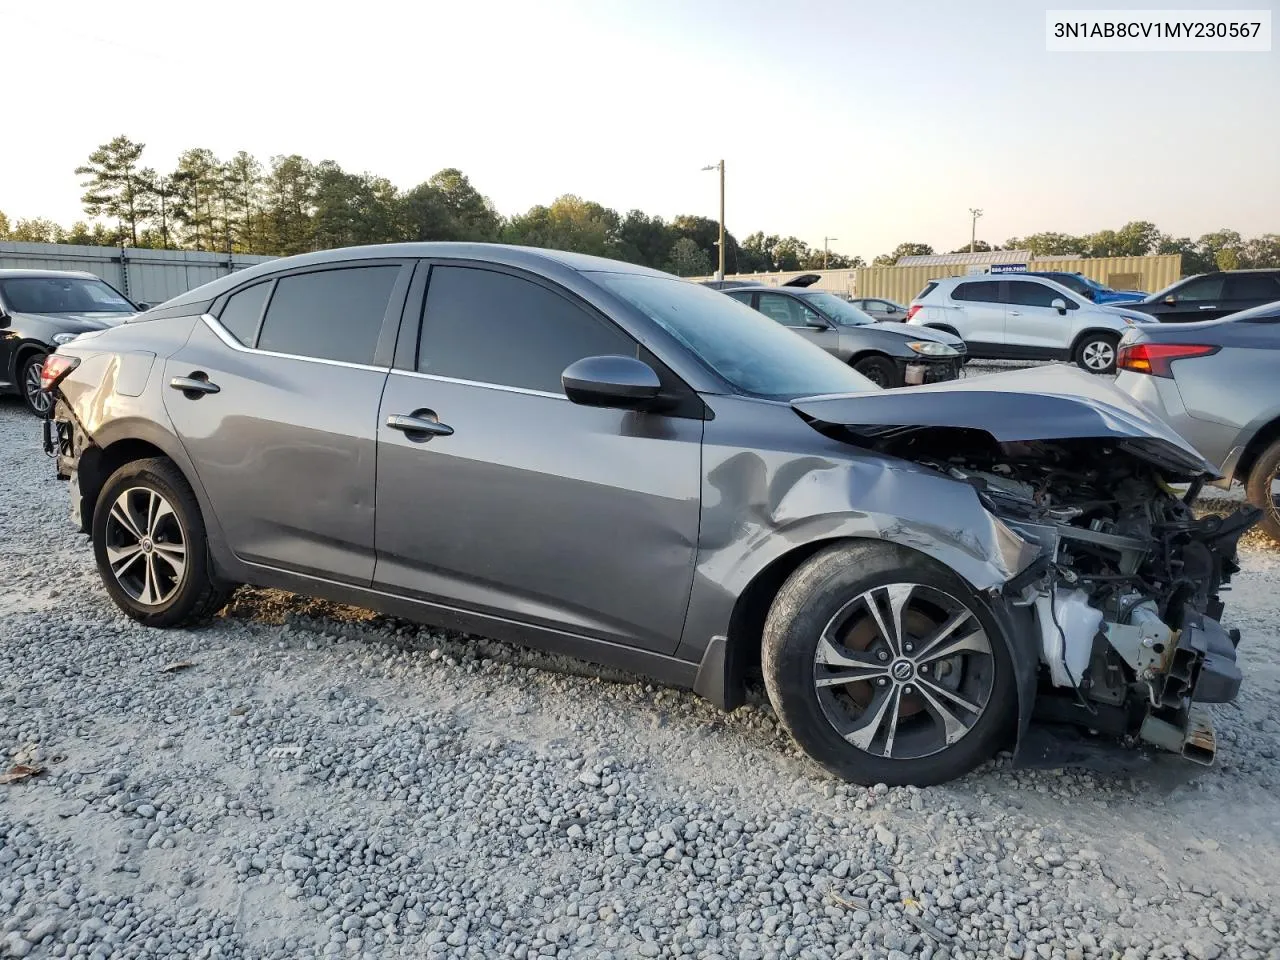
(1126, 591)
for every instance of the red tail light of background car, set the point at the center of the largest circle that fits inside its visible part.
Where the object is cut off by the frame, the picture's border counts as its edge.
(913, 310)
(1157, 359)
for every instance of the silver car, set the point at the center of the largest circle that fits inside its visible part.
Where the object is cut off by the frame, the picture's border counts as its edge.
(881, 309)
(610, 462)
(1021, 317)
(1215, 382)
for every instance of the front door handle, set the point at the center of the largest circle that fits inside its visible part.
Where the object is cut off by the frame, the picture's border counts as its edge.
(194, 386)
(1211, 306)
(1014, 313)
(424, 427)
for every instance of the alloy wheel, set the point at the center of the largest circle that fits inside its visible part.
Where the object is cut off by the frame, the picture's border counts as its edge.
(904, 671)
(1098, 355)
(39, 399)
(146, 546)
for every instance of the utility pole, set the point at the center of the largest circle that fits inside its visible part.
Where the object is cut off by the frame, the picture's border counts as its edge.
(720, 166)
(826, 250)
(974, 214)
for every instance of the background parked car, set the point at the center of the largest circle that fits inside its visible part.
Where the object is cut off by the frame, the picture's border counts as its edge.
(41, 309)
(881, 309)
(1216, 383)
(1023, 318)
(1088, 287)
(1212, 295)
(887, 354)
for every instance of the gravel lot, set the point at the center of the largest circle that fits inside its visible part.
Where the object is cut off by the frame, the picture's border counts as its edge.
(322, 782)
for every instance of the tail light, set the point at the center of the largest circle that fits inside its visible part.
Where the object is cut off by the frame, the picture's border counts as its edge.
(1157, 359)
(913, 310)
(55, 368)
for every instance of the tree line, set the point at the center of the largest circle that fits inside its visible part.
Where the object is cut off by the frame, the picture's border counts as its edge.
(293, 205)
(1220, 250)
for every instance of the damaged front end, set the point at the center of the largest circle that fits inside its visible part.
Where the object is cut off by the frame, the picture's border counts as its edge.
(1125, 589)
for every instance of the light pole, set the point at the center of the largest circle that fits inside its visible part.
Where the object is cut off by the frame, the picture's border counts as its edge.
(826, 249)
(974, 214)
(720, 166)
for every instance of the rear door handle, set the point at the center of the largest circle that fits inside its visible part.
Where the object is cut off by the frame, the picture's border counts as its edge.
(1211, 306)
(194, 385)
(1015, 313)
(419, 425)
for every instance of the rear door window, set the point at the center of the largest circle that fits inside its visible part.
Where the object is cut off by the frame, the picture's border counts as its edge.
(1262, 287)
(495, 328)
(330, 314)
(243, 311)
(981, 291)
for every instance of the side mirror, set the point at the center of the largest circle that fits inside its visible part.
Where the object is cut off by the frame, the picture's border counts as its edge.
(620, 382)
(890, 309)
(143, 305)
(1171, 300)
(4, 319)
(1059, 304)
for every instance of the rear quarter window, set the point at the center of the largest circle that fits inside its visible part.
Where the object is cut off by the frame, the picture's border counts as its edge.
(928, 289)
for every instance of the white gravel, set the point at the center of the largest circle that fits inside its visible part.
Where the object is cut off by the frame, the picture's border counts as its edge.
(320, 782)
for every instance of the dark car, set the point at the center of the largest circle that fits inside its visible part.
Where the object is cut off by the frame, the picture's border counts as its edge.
(887, 354)
(1088, 287)
(1212, 295)
(613, 463)
(42, 309)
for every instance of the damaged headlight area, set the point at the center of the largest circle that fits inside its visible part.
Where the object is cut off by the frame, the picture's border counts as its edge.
(1125, 590)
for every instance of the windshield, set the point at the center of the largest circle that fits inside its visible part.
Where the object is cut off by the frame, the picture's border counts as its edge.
(62, 295)
(841, 311)
(753, 353)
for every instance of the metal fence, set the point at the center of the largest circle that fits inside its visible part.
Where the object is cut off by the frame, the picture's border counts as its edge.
(148, 276)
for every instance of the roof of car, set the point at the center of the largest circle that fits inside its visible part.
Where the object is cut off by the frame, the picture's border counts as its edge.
(499, 253)
(11, 274)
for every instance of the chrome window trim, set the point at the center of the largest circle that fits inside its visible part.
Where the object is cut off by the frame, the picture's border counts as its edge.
(221, 333)
(526, 391)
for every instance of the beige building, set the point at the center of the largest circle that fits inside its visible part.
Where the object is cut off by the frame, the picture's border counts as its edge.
(905, 280)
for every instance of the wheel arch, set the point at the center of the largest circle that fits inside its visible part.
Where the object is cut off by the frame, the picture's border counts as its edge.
(25, 350)
(1090, 331)
(1263, 437)
(945, 328)
(730, 663)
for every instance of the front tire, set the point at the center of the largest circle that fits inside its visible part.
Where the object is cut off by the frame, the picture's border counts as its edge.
(879, 370)
(38, 401)
(150, 544)
(1096, 352)
(886, 667)
(1263, 488)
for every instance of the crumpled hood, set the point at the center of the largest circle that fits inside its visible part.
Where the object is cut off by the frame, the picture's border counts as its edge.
(920, 333)
(1039, 403)
(81, 322)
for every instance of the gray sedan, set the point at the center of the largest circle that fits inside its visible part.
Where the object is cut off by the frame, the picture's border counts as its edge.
(1215, 382)
(887, 354)
(610, 462)
(881, 309)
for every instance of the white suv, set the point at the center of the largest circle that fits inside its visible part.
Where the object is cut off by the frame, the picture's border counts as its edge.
(1024, 318)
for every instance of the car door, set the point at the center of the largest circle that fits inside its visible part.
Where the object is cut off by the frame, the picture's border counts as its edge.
(798, 316)
(276, 401)
(1197, 299)
(532, 508)
(1033, 328)
(981, 323)
(1244, 290)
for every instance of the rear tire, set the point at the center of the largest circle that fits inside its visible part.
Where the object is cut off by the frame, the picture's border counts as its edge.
(150, 544)
(1260, 490)
(946, 683)
(1096, 352)
(37, 400)
(879, 370)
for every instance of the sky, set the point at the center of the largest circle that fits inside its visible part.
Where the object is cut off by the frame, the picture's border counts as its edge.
(870, 122)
